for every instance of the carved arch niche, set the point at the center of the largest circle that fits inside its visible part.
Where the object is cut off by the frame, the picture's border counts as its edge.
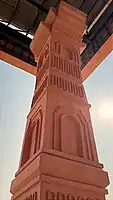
(71, 141)
(70, 53)
(36, 139)
(87, 141)
(32, 139)
(67, 53)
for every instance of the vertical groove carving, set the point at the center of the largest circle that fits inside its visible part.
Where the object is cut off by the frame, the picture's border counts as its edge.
(75, 89)
(90, 145)
(65, 66)
(36, 137)
(38, 132)
(56, 130)
(80, 89)
(77, 72)
(67, 85)
(87, 139)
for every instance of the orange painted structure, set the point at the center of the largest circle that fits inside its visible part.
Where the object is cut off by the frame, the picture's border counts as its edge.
(59, 159)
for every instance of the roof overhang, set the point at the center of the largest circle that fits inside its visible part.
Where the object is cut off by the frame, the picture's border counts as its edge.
(98, 39)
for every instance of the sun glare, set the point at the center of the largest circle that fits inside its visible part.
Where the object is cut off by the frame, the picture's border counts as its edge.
(106, 110)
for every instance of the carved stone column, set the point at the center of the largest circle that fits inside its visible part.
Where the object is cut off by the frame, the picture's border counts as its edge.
(59, 159)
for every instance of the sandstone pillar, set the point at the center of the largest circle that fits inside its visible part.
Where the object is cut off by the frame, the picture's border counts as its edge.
(59, 159)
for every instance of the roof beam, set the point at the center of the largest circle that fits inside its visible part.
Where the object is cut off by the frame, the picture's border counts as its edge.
(15, 62)
(95, 61)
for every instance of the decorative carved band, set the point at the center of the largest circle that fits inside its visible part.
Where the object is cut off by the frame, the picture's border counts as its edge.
(65, 66)
(49, 195)
(33, 196)
(67, 85)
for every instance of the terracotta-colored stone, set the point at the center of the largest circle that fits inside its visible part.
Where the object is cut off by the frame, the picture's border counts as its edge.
(59, 159)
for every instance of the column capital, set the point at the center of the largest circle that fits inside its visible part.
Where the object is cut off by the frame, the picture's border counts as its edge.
(66, 20)
(71, 17)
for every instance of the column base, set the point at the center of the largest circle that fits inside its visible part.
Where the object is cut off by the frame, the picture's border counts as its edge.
(53, 175)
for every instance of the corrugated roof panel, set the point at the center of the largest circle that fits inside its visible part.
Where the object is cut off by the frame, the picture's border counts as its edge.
(11, 3)
(38, 19)
(49, 3)
(5, 11)
(95, 11)
(87, 5)
(25, 15)
(76, 3)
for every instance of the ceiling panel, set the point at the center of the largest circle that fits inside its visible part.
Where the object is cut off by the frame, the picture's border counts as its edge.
(11, 3)
(5, 11)
(95, 10)
(24, 15)
(76, 3)
(87, 5)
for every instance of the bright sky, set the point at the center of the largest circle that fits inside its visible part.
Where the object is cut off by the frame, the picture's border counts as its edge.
(16, 90)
